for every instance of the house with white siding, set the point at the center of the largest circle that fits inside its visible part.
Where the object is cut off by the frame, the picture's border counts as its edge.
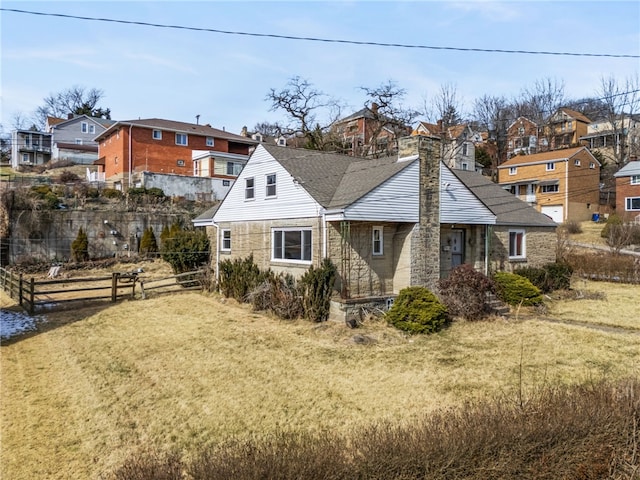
(385, 223)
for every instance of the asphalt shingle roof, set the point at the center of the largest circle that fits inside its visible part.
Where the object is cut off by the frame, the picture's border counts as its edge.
(508, 209)
(541, 157)
(335, 180)
(631, 168)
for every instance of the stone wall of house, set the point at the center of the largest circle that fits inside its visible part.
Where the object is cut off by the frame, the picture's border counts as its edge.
(254, 238)
(425, 247)
(541, 244)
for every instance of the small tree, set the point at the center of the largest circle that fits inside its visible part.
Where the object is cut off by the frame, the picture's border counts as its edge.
(80, 247)
(318, 285)
(186, 250)
(148, 242)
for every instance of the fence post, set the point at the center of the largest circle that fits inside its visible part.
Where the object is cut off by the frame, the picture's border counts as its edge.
(31, 296)
(20, 290)
(114, 286)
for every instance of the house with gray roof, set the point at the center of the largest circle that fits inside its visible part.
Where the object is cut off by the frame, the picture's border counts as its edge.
(386, 223)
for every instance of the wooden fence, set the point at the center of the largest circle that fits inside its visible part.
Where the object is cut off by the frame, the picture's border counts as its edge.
(34, 295)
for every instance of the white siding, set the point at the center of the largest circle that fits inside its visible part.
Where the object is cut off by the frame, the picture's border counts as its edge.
(291, 200)
(459, 205)
(396, 200)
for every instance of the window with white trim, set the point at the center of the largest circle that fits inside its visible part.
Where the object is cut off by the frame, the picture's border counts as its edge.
(92, 129)
(632, 203)
(291, 244)
(517, 247)
(180, 163)
(234, 168)
(635, 180)
(225, 240)
(513, 170)
(551, 166)
(78, 141)
(377, 239)
(84, 127)
(209, 141)
(553, 188)
(592, 165)
(249, 188)
(25, 157)
(576, 162)
(465, 149)
(271, 185)
(157, 135)
(181, 139)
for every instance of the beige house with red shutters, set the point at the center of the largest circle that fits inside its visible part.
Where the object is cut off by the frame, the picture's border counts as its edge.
(562, 184)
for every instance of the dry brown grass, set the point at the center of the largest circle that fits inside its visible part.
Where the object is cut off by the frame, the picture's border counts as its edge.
(185, 371)
(599, 303)
(590, 234)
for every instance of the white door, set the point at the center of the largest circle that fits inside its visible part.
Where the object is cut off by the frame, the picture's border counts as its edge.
(556, 212)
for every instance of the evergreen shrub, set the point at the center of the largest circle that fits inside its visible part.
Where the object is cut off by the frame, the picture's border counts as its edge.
(186, 250)
(148, 243)
(515, 289)
(417, 310)
(317, 285)
(80, 247)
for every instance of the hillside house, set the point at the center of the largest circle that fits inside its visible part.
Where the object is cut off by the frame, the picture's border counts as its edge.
(385, 223)
(563, 184)
(564, 129)
(128, 148)
(628, 192)
(522, 137)
(29, 148)
(73, 138)
(459, 143)
(617, 140)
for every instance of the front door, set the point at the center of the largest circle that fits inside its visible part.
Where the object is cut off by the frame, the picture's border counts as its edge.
(457, 248)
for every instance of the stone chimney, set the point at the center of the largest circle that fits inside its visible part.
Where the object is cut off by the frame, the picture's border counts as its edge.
(374, 107)
(425, 241)
(244, 132)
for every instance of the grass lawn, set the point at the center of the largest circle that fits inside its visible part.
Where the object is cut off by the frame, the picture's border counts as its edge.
(590, 234)
(183, 371)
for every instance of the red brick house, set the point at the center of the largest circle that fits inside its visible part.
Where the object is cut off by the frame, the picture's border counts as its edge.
(131, 147)
(628, 191)
(522, 137)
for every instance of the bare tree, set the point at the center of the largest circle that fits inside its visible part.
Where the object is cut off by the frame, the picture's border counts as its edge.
(302, 104)
(387, 113)
(539, 102)
(495, 114)
(446, 106)
(74, 100)
(622, 102)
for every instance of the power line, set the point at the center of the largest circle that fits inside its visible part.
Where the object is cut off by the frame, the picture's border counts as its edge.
(317, 39)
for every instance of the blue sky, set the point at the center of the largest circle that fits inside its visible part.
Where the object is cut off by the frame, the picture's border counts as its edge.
(177, 74)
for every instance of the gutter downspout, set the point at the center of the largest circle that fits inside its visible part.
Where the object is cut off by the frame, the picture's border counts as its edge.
(565, 214)
(487, 229)
(130, 126)
(324, 234)
(217, 272)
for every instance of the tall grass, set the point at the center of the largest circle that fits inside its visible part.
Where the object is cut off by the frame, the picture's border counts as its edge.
(579, 432)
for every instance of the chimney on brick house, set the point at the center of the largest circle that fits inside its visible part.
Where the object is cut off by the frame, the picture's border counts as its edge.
(374, 107)
(425, 241)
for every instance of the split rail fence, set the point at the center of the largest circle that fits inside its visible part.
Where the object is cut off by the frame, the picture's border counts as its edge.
(34, 295)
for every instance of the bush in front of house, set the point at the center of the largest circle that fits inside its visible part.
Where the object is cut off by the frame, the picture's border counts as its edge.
(279, 295)
(548, 278)
(238, 277)
(186, 250)
(613, 220)
(516, 290)
(112, 193)
(80, 247)
(317, 285)
(417, 310)
(465, 292)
